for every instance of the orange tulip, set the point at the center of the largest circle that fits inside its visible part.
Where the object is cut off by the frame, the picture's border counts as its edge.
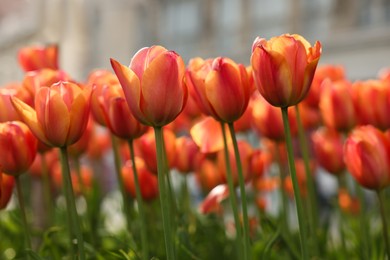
(147, 149)
(329, 72)
(267, 120)
(377, 93)
(328, 149)
(283, 68)
(187, 155)
(208, 175)
(117, 114)
(38, 57)
(147, 180)
(61, 113)
(97, 80)
(367, 156)
(153, 85)
(220, 87)
(336, 105)
(18, 147)
(7, 184)
(80, 147)
(50, 157)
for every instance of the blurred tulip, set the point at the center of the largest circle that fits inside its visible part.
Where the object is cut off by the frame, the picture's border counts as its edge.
(61, 115)
(336, 105)
(283, 68)
(147, 180)
(7, 111)
(267, 120)
(147, 149)
(117, 114)
(213, 199)
(301, 176)
(244, 123)
(207, 135)
(99, 144)
(377, 93)
(38, 57)
(328, 149)
(258, 163)
(220, 87)
(80, 183)
(7, 184)
(34, 80)
(246, 151)
(187, 155)
(328, 72)
(18, 147)
(80, 147)
(153, 85)
(208, 175)
(347, 203)
(51, 158)
(367, 156)
(97, 80)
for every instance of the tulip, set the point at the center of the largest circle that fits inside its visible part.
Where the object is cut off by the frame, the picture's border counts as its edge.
(375, 92)
(324, 72)
(213, 200)
(153, 85)
(208, 175)
(18, 147)
(267, 120)
(7, 184)
(220, 87)
(187, 155)
(147, 148)
(38, 57)
(98, 80)
(283, 68)
(61, 114)
(117, 114)
(336, 105)
(367, 156)
(147, 180)
(60, 118)
(328, 149)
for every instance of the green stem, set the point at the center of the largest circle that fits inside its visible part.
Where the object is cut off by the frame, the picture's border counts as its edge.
(312, 205)
(142, 215)
(164, 196)
(241, 182)
(364, 224)
(23, 213)
(283, 194)
(79, 177)
(118, 171)
(47, 190)
(297, 194)
(380, 194)
(70, 201)
(232, 194)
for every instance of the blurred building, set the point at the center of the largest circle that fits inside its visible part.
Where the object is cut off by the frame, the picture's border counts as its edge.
(354, 33)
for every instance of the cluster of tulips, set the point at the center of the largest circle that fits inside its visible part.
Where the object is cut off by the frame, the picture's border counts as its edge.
(243, 132)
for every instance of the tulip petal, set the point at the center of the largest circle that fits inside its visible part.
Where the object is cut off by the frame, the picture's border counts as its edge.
(208, 136)
(57, 120)
(78, 116)
(143, 58)
(131, 87)
(214, 198)
(29, 116)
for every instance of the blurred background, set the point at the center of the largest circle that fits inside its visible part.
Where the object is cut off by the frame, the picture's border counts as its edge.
(354, 33)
